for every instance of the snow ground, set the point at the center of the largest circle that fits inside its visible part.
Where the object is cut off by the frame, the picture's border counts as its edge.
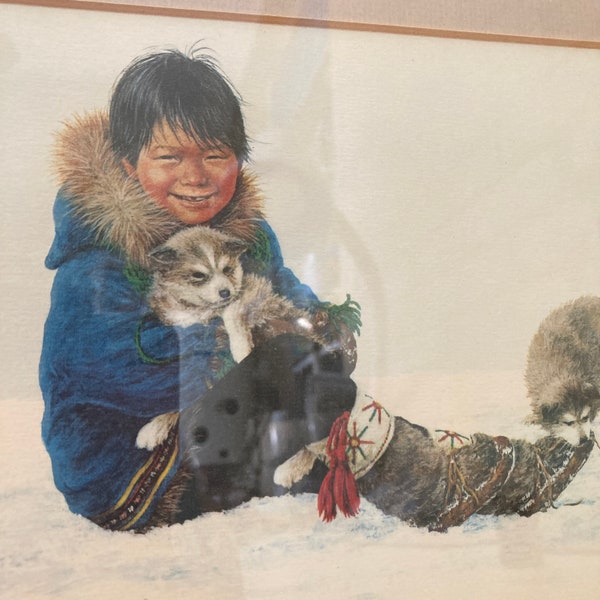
(279, 548)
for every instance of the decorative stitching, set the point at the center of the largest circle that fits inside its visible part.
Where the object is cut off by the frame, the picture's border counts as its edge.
(134, 503)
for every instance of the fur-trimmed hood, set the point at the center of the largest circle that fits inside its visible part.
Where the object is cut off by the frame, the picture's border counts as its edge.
(115, 209)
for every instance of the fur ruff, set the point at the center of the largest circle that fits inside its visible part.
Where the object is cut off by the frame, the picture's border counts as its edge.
(116, 207)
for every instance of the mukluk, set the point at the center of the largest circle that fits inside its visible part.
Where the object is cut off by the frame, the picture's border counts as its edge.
(405, 471)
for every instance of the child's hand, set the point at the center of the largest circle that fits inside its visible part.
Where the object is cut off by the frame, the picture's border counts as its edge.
(337, 324)
(328, 315)
(338, 337)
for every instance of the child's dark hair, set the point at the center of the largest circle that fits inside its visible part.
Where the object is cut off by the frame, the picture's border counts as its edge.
(185, 92)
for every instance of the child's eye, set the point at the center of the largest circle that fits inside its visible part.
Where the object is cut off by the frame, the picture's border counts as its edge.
(165, 156)
(218, 153)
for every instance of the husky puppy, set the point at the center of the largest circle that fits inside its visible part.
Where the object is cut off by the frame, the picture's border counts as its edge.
(563, 370)
(197, 277)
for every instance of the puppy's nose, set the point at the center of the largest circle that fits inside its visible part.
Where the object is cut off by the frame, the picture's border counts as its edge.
(224, 293)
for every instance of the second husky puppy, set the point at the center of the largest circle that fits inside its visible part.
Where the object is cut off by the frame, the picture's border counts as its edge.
(563, 370)
(197, 278)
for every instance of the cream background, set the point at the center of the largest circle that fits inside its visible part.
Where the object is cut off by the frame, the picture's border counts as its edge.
(449, 185)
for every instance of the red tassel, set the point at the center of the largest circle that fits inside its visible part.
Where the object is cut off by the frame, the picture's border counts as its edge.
(339, 486)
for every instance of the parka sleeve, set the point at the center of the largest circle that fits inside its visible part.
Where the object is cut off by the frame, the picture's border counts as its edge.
(337, 333)
(283, 279)
(100, 346)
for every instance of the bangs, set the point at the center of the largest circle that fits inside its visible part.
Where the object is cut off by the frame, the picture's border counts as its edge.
(203, 106)
(189, 95)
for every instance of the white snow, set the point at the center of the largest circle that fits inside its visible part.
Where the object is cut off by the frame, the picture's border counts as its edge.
(278, 547)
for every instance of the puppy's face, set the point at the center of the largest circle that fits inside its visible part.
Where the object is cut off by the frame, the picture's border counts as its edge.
(574, 427)
(572, 413)
(200, 268)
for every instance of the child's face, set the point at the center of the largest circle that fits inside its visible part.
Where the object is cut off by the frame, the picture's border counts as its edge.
(193, 182)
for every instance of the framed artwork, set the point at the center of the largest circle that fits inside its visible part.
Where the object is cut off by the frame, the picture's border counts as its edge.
(447, 183)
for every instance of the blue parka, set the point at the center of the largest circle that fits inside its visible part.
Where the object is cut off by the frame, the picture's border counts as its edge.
(107, 365)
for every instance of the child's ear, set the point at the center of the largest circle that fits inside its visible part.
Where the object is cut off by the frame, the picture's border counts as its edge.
(129, 168)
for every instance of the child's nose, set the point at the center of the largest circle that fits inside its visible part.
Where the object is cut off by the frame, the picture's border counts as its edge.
(193, 172)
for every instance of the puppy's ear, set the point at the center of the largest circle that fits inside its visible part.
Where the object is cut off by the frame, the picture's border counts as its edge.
(550, 412)
(236, 247)
(163, 258)
(590, 391)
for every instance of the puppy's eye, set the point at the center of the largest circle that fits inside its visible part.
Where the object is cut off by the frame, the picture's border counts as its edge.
(199, 276)
(228, 270)
(585, 419)
(569, 423)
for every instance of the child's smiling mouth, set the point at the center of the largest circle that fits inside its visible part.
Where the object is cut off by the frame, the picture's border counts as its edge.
(192, 199)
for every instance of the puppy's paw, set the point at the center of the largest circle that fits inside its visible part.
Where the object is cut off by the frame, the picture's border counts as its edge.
(240, 336)
(156, 431)
(299, 465)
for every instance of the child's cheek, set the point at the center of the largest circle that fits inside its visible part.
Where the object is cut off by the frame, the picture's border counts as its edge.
(156, 184)
(229, 180)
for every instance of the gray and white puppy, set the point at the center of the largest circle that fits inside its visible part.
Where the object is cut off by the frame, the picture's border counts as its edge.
(198, 277)
(563, 370)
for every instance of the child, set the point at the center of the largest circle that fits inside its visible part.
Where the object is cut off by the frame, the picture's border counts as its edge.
(170, 155)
